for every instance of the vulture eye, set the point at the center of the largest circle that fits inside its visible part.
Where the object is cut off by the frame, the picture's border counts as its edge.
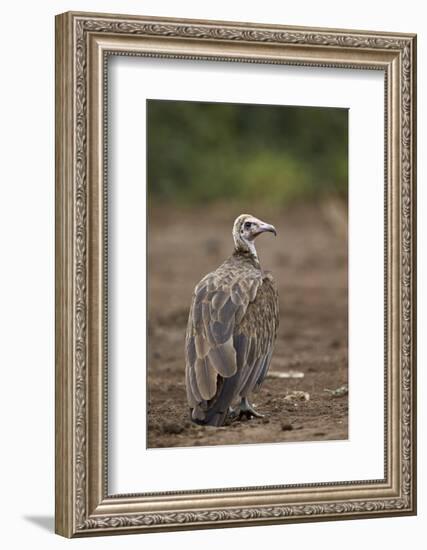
(248, 225)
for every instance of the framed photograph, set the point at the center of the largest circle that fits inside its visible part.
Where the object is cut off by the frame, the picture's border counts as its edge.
(235, 274)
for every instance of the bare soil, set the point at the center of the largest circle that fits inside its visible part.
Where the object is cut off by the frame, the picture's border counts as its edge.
(309, 262)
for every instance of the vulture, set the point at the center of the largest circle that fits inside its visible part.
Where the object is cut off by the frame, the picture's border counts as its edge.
(231, 330)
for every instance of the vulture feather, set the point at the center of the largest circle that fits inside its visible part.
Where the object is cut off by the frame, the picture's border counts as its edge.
(232, 327)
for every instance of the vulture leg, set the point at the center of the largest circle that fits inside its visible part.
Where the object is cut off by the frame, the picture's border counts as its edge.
(245, 409)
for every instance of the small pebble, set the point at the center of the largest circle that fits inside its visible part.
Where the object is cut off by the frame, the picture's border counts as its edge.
(297, 396)
(338, 392)
(285, 374)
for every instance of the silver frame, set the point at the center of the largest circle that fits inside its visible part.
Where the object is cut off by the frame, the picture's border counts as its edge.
(83, 43)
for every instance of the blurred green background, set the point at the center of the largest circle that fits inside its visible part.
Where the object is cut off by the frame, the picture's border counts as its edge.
(218, 151)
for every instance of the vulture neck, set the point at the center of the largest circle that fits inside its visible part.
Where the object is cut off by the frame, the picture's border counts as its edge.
(246, 249)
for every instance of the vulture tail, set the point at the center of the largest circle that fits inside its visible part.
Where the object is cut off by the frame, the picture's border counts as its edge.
(215, 411)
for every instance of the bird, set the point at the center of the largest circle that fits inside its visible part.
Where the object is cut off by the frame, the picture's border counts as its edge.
(231, 331)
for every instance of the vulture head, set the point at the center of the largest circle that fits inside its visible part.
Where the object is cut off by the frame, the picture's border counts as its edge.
(245, 229)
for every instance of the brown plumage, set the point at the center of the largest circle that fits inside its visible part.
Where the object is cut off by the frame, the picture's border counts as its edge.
(231, 331)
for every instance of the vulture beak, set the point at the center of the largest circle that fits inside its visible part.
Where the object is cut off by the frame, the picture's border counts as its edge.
(263, 227)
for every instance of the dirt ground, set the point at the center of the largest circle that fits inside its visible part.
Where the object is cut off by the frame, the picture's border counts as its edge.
(309, 262)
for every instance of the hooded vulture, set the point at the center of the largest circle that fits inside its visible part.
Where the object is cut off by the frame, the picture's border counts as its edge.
(232, 327)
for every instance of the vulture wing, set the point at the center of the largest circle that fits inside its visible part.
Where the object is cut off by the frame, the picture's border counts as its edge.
(255, 336)
(219, 304)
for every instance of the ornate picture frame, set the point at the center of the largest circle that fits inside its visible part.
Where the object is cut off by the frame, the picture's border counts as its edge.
(83, 43)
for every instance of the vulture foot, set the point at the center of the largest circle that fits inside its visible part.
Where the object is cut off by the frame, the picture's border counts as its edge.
(245, 410)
